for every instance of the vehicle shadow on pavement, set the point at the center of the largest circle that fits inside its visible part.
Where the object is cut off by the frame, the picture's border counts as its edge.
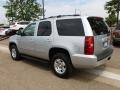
(78, 74)
(37, 64)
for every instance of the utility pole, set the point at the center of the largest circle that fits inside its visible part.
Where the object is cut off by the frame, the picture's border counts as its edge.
(12, 11)
(118, 9)
(43, 9)
(77, 10)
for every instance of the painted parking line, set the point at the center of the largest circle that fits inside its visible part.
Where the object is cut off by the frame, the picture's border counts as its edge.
(105, 74)
(102, 73)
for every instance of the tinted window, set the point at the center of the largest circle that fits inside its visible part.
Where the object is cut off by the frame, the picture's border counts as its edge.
(12, 23)
(98, 26)
(118, 27)
(44, 28)
(29, 30)
(70, 27)
(5, 27)
(23, 23)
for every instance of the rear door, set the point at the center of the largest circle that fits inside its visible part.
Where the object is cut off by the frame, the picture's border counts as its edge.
(101, 36)
(43, 40)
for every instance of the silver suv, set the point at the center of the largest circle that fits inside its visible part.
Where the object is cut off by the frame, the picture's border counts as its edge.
(67, 42)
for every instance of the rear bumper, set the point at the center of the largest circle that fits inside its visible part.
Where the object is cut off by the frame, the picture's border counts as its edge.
(88, 61)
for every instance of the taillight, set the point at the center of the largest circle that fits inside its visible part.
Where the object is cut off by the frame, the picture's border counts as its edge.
(89, 45)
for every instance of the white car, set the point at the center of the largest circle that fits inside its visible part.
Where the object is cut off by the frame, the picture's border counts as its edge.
(18, 25)
(3, 31)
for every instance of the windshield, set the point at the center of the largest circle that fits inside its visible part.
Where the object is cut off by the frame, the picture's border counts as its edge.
(118, 27)
(24, 23)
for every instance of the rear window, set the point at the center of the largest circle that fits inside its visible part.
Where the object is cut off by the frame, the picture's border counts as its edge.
(70, 27)
(23, 23)
(98, 26)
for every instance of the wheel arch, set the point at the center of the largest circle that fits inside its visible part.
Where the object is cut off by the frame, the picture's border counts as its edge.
(55, 50)
(12, 43)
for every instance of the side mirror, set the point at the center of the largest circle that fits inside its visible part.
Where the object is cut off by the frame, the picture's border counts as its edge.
(20, 29)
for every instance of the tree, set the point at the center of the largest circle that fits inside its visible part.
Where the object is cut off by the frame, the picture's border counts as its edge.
(113, 8)
(111, 19)
(23, 10)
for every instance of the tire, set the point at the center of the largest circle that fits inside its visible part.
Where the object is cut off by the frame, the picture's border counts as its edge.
(14, 53)
(61, 65)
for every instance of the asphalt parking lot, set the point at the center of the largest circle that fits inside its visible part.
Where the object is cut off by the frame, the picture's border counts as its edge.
(31, 75)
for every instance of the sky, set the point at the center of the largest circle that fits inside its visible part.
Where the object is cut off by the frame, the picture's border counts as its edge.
(62, 7)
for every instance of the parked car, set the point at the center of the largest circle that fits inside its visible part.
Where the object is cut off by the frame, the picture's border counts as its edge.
(67, 42)
(18, 25)
(116, 34)
(4, 30)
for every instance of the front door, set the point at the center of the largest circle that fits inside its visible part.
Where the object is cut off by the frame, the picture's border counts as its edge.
(26, 43)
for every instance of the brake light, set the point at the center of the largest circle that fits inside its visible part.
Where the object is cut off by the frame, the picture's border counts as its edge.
(89, 45)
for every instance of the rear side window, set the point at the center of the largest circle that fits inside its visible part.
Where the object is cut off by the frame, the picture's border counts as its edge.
(70, 27)
(44, 28)
(98, 26)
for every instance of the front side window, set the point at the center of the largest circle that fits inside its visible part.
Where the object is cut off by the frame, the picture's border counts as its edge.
(44, 28)
(70, 27)
(29, 30)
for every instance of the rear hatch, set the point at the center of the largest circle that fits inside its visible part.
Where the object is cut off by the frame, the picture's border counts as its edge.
(102, 37)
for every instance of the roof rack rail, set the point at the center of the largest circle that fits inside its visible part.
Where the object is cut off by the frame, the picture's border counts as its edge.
(60, 16)
(63, 16)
